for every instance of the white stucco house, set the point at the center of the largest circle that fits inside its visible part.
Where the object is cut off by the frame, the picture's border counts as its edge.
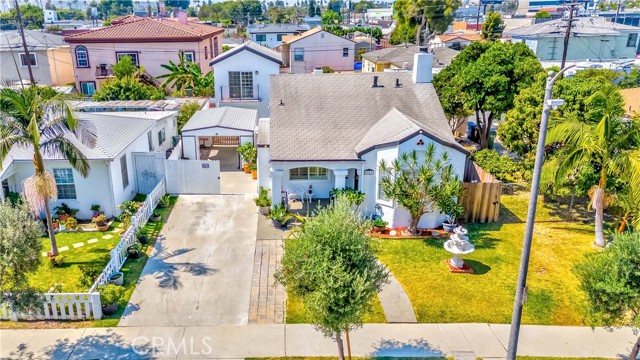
(242, 76)
(317, 137)
(317, 48)
(272, 35)
(112, 179)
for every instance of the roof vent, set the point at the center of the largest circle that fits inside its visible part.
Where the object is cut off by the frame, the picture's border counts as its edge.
(398, 85)
(281, 103)
(375, 83)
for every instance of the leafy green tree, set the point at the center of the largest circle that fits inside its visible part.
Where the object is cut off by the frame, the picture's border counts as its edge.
(501, 167)
(492, 26)
(20, 248)
(186, 112)
(428, 17)
(611, 280)
(331, 17)
(606, 140)
(542, 15)
(27, 121)
(363, 6)
(127, 88)
(124, 67)
(487, 75)
(415, 181)
(403, 33)
(32, 18)
(331, 265)
(631, 80)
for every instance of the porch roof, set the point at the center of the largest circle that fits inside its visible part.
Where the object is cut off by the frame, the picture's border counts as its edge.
(224, 117)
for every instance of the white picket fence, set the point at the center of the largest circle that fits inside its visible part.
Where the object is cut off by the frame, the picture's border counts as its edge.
(82, 306)
(119, 253)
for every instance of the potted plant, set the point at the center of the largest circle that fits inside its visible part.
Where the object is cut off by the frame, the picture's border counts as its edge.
(254, 171)
(164, 201)
(141, 234)
(243, 151)
(128, 208)
(64, 211)
(117, 278)
(279, 215)
(100, 222)
(378, 225)
(156, 216)
(95, 211)
(109, 296)
(56, 224)
(262, 201)
(134, 251)
(452, 211)
(71, 223)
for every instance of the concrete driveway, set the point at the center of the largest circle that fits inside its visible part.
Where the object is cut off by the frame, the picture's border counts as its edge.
(200, 274)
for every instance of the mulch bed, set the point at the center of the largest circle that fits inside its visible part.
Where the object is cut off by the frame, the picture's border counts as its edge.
(399, 234)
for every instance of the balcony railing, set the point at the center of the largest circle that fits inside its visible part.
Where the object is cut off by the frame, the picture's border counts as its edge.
(104, 71)
(240, 93)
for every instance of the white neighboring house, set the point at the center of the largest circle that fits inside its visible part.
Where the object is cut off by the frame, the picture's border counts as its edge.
(272, 35)
(324, 136)
(317, 48)
(112, 179)
(242, 76)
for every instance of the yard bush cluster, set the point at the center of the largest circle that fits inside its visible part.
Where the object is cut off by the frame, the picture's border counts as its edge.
(502, 167)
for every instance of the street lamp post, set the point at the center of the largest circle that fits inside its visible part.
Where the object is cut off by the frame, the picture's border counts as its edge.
(521, 289)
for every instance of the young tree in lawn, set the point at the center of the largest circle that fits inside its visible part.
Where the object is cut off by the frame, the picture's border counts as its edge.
(41, 119)
(332, 267)
(611, 280)
(488, 75)
(416, 181)
(606, 140)
(20, 248)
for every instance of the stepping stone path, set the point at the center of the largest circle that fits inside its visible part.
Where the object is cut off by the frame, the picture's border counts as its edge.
(107, 237)
(44, 253)
(64, 248)
(91, 241)
(77, 245)
(80, 244)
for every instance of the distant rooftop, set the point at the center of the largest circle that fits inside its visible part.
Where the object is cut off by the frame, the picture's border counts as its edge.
(582, 26)
(398, 55)
(277, 28)
(36, 40)
(252, 47)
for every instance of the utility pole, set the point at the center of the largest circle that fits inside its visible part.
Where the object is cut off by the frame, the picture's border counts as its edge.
(24, 42)
(521, 288)
(567, 34)
(615, 20)
(478, 27)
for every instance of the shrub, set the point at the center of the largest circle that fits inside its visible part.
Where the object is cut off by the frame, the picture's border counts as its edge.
(279, 214)
(64, 209)
(354, 197)
(110, 294)
(165, 200)
(379, 223)
(89, 275)
(501, 167)
(186, 112)
(95, 207)
(71, 223)
(327, 70)
(57, 261)
(263, 198)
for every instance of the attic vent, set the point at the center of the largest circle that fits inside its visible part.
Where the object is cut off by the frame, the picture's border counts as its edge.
(420, 142)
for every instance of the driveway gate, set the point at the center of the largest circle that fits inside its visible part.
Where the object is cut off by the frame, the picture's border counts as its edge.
(182, 176)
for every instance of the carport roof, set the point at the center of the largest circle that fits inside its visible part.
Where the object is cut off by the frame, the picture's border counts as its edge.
(224, 117)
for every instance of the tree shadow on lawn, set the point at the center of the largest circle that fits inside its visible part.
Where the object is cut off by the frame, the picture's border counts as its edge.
(414, 348)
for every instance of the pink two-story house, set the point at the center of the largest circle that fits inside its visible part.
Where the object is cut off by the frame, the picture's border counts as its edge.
(150, 42)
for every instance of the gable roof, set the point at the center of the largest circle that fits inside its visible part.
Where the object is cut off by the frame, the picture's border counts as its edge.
(36, 40)
(294, 38)
(582, 26)
(318, 122)
(398, 55)
(252, 47)
(467, 37)
(277, 28)
(146, 30)
(114, 132)
(224, 117)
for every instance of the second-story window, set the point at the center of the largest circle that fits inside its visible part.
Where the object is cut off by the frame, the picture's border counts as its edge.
(215, 46)
(188, 56)
(240, 84)
(279, 37)
(132, 55)
(211, 47)
(298, 54)
(82, 57)
(206, 52)
(261, 37)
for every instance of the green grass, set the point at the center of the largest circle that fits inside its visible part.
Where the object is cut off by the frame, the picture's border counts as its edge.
(131, 269)
(554, 297)
(297, 314)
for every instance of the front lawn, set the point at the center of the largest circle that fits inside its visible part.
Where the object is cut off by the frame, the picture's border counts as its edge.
(554, 297)
(297, 314)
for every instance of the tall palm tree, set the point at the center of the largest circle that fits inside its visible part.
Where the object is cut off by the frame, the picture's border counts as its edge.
(40, 118)
(608, 141)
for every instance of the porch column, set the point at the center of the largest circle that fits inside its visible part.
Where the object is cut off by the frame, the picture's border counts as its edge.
(276, 186)
(341, 177)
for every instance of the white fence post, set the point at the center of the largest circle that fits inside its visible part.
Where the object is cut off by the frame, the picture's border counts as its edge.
(96, 306)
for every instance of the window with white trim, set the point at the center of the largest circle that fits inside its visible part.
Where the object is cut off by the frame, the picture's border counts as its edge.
(87, 88)
(82, 57)
(381, 194)
(309, 173)
(133, 55)
(23, 60)
(632, 39)
(189, 56)
(161, 137)
(64, 183)
(124, 171)
(298, 54)
(240, 84)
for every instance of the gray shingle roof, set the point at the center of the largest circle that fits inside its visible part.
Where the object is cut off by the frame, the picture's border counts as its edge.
(36, 40)
(226, 117)
(397, 55)
(114, 132)
(250, 46)
(264, 135)
(278, 29)
(583, 26)
(326, 117)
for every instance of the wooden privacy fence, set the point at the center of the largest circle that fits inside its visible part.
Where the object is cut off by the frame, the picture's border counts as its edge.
(480, 195)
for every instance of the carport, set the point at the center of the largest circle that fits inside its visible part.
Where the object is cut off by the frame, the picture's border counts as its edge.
(215, 133)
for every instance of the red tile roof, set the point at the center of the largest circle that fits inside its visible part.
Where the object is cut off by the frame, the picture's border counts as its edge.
(146, 30)
(123, 19)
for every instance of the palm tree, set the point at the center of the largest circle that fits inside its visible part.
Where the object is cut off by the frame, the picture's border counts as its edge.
(606, 140)
(187, 75)
(40, 118)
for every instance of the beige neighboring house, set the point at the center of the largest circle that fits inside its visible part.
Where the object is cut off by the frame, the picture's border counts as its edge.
(631, 99)
(457, 40)
(401, 57)
(316, 48)
(150, 42)
(50, 58)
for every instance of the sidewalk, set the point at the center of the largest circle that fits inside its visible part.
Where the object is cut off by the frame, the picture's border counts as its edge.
(237, 342)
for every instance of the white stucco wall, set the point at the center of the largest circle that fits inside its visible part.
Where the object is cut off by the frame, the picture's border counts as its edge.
(583, 47)
(264, 172)
(271, 40)
(41, 72)
(321, 49)
(246, 61)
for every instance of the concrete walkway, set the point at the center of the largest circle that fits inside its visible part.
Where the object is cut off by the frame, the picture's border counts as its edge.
(238, 342)
(201, 273)
(395, 302)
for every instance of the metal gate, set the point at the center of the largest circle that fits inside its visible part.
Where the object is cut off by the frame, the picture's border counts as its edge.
(182, 176)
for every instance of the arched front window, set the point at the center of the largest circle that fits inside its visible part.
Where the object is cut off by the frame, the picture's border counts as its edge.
(82, 57)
